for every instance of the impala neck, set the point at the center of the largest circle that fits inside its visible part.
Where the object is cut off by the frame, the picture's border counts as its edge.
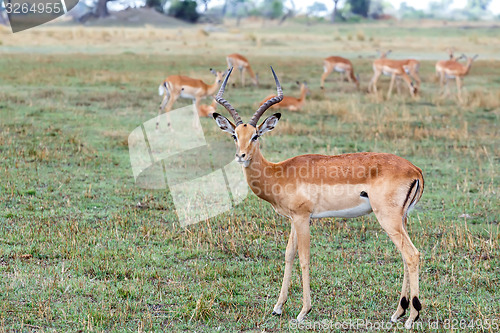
(259, 175)
(303, 94)
(212, 88)
(467, 67)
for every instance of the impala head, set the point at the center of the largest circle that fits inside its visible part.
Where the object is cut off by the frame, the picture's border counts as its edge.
(218, 75)
(246, 136)
(451, 50)
(383, 55)
(469, 59)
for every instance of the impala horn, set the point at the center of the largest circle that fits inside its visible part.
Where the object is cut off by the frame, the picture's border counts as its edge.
(224, 103)
(263, 108)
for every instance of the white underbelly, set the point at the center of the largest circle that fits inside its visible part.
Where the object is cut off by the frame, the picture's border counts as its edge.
(360, 210)
(387, 73)
(186, 95)
(339, 69)
(450, 76)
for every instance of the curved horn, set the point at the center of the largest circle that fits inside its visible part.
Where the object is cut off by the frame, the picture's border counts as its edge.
(278, 98)
(224, 103)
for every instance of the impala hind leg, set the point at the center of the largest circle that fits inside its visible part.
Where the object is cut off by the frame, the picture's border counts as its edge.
(404, 302)
(170, 100)
(393, 225)
(291, 250)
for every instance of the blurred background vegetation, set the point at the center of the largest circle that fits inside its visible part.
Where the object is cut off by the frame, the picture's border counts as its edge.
(310, 11)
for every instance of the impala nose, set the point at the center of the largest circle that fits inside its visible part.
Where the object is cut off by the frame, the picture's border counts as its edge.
(241, 156)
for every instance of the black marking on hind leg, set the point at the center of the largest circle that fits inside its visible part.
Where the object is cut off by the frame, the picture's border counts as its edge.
(416, 304)
(363, 194)
(409, 191)
(276, 314)
(404, 303)
(416, 318)
(309, 311)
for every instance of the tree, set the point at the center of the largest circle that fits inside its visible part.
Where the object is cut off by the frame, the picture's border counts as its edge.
(184, 10)
(334, 13)
(101, 9)
(156, 4)
(316, 8)
(360, 7)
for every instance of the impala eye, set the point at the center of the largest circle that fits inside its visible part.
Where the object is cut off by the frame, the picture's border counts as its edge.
(255, 137)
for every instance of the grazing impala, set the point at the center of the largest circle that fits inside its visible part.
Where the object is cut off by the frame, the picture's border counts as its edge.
(452, 69)
(316, 186)
(411, 67)
(392, 68)
(240, 62)
(290, 103)
(341, 65)
(207, 110)
(176, 86)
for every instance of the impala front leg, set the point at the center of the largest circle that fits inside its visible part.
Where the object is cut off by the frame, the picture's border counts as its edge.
(291, 250)
(303, 242)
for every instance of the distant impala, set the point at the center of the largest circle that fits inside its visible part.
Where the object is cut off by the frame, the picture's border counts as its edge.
(452, 69)
(341, 65)
(290, 103)
(240, 62)
(176, 86)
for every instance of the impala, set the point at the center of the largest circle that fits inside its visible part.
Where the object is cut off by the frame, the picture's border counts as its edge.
(440, 67)
(240, 62)
(316, 186)
(341, 65)
(411, 67)
(392, 68)
(176, 86)
(452, 69)
(207, 110)
(290, 103)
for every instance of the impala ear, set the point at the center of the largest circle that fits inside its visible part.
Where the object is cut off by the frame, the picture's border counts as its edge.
(224, 123)
(474, 57)
(269, 124)
(213, 72)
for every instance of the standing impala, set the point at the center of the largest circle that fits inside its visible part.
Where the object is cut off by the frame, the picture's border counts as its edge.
(316, 186)
(240, 62)
(176, 86)
(392, 68)
(440, 65)
(290, 103)
(452, 69)
(341, 65)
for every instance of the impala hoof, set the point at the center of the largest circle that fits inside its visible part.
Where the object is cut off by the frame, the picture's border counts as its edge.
(276, 314)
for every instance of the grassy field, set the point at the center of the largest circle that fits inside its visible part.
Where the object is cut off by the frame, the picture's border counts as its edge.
(83, 249)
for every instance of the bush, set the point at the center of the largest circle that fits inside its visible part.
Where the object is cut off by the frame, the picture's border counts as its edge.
(184, 10)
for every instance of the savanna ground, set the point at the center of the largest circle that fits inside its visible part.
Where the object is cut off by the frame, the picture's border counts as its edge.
(83, 249)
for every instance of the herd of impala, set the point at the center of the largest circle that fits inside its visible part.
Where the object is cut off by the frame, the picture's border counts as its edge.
(315, 186)
(176, 86)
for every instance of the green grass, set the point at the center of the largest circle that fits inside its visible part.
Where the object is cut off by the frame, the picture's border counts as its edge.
(78, 252)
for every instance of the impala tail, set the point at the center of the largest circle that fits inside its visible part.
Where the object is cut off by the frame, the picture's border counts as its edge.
(162, 89)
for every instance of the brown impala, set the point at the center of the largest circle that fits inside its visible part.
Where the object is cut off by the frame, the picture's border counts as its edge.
(315, 186)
